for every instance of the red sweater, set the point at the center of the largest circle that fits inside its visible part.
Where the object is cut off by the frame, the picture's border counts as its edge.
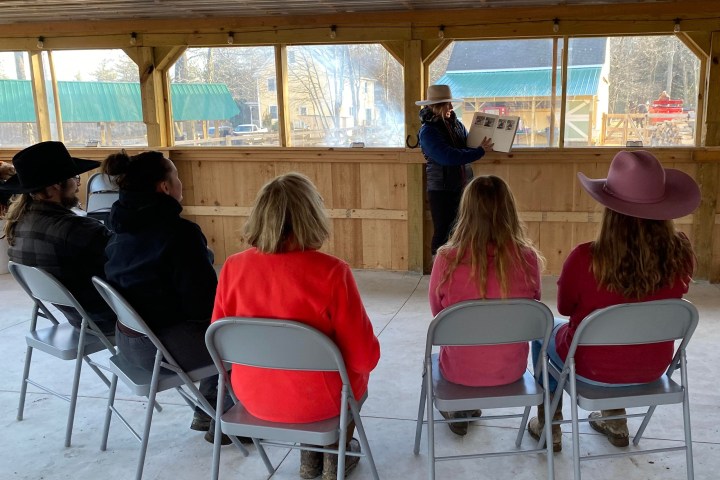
(578, 296)
(313, 288)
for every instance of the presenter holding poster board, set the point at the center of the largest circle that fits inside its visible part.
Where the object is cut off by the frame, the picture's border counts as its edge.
(500, 129)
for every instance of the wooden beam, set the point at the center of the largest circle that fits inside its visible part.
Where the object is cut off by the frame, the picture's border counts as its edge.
(431, 49)
(281, 84)
(356, 213)
(40, 96)
(698, 42)
(56, 98)
(396, 50)
(563, 98)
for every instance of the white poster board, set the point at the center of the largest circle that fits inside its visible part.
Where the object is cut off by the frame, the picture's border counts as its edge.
(498, 128)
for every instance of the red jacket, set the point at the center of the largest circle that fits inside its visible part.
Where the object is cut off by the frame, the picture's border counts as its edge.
(313, 288)
(579, 295)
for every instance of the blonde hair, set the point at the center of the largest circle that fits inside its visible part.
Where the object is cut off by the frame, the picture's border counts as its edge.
(635, 256)
(487, 218)
(287, 215)
(19, 205)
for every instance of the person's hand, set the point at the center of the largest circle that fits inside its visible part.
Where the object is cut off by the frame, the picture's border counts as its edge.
(7, 170)
(487, 144)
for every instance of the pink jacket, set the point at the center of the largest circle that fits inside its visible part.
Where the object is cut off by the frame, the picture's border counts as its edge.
(482, 366)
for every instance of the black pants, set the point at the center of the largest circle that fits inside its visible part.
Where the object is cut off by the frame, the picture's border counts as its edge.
(184, 341)
(443, 209)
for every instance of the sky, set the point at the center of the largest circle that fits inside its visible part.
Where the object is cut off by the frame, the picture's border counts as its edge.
(69, 64)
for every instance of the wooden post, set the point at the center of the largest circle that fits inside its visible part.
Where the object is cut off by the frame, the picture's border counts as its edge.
(414, 85)
(281, 84)
(56, 98)
(563, 99)
(42, 111)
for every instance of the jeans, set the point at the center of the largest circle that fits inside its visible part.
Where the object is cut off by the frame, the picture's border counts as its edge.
(185, 342)
(443, 210)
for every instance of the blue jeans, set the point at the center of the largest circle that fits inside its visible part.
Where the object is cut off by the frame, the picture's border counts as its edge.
(558, 362)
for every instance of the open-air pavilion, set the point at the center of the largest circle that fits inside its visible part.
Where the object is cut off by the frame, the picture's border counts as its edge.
(374, 196)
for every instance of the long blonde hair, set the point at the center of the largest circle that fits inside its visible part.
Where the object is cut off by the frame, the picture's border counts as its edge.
(288, 214)
(487, 219)
(635, 256)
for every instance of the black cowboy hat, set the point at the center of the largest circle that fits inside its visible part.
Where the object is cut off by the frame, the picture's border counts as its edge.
(42, 165)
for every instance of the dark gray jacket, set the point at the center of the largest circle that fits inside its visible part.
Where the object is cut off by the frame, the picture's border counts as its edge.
(70, 248)
(445, 149)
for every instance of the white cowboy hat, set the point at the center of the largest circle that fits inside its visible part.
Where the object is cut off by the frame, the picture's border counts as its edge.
(438, 94)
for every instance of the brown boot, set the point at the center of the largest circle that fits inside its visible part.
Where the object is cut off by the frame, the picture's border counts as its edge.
(311, 464)
(330, 461)
(616, 430)
(537, 424)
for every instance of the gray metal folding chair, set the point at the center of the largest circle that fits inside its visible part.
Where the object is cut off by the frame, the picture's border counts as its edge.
(631, 324)
(166, 374)
(61, 340)
(101, 194)
(284, 345)
(485, 322)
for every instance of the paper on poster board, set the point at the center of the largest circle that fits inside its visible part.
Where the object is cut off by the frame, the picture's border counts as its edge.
(500, 129)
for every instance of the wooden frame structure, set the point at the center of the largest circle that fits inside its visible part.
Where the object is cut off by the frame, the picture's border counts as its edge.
(375, 197)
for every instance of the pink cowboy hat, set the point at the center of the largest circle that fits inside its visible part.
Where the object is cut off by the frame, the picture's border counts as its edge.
(637, 185)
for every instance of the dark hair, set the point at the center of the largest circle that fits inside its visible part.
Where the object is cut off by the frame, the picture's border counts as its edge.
(139, 173)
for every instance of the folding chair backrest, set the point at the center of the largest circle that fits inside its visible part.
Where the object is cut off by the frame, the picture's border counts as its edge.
(43, 287)
(101, 201)
(100, 182)
(127, 315)
(270, 343)
(638, 323)
(490, 322)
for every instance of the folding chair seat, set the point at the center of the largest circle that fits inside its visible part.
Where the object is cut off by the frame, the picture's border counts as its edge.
(61, 340)
(485, 322)
(166, 374)
(284, 345)
(631, 324)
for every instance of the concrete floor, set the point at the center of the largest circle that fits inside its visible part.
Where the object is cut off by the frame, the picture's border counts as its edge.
(397, 304)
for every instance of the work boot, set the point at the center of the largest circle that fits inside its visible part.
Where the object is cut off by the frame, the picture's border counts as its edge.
(537, 424)
(460, 428)
(330, 461)
(616, 430)
(311, 464)
(224, 439)
(201, 421)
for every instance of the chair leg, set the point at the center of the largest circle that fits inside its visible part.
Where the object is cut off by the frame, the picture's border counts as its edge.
(686, 418)
(363, 438)
(421, 414)
(23, 387)
(430, 422)
(523, 422)
(641, 430)
(75, 387)
(109, 412)
(342, 439)
(263, 456)
(575, 426)
(148, 417)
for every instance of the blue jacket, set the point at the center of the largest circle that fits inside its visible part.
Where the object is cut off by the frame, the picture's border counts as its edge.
(446, 152)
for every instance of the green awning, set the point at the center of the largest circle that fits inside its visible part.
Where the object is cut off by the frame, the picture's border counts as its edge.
(117, 101)
(520, 83)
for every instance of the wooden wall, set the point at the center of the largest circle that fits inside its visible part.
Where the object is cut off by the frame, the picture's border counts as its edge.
(366, 194)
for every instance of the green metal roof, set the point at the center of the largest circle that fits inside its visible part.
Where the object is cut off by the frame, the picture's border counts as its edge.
(16, 101)
(116, 101)
(520, 83)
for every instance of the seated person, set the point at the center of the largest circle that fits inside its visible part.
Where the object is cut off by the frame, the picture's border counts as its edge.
(638, 256)
(488, 256)
(42, 231)
(161, 264)
(286, 228)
